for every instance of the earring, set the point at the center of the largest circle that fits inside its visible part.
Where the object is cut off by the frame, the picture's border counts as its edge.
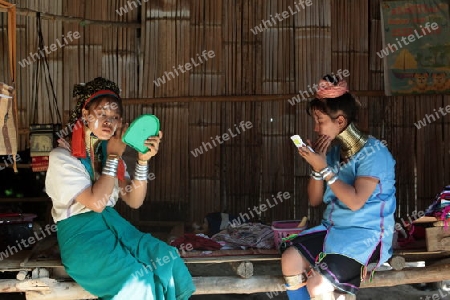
(85, 122)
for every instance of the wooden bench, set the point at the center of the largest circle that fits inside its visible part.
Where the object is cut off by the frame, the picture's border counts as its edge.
(239, 266)
(243, 272)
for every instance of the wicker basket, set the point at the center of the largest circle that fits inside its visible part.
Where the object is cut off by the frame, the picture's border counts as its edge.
(282, 229)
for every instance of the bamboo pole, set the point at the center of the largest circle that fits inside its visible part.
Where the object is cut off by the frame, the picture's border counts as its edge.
(44, 288)
(235, 285)
(250, 98)
(258, 284)
(434, 273)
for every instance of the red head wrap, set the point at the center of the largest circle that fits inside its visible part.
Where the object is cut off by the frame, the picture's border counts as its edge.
(328, 89)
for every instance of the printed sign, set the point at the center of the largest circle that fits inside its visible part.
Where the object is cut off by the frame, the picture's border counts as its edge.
(416, 46)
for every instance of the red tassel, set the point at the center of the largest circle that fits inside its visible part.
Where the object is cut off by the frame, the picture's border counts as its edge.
(121, 170)
(78, 143)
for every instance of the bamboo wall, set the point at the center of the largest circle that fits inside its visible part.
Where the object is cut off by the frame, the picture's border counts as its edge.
(138, 47)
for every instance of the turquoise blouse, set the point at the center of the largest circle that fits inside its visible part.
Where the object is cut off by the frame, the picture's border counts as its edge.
(356, 234)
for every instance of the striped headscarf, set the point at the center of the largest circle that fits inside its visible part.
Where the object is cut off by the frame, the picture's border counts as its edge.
(83, 92)
(86, 92)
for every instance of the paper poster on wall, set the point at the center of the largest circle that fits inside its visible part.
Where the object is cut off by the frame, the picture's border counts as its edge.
(416, 47)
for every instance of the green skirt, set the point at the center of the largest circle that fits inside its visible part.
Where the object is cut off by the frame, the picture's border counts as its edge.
(111, 259)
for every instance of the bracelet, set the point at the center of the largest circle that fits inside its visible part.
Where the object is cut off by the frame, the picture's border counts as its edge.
(325, 170)
(142, 162)
(326, 174)
(332, 180)
(315, 175)
(111, 166)
(140, 172)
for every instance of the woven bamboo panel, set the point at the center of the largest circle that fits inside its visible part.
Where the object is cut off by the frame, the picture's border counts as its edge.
(171, 164)
(376, 64)
(204, 163)
(300, 207)
(446, 142)
(241, 156)
(430, 153)
(285, 57)
(311, 67)
(241, 179)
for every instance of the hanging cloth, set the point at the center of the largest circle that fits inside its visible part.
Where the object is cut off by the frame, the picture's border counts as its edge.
(8, 100)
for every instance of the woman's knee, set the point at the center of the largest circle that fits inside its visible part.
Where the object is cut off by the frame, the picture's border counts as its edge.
(318, 285)
(292, 262)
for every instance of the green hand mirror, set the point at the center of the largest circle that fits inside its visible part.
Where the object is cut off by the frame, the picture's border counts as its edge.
(141, 129)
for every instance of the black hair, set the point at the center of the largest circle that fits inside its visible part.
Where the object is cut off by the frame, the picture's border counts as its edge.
(82, 92)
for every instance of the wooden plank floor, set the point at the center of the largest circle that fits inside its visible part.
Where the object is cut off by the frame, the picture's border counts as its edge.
(13, 262)
(22, 259)
(208, 270)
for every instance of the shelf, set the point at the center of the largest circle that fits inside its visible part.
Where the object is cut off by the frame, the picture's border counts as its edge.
(19, 166)
(26, 199)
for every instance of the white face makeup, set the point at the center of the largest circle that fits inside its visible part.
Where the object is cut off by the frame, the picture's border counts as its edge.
(103, 119)
(324, 125)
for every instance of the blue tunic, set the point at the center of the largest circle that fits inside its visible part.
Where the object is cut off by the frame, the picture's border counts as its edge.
(356, 234)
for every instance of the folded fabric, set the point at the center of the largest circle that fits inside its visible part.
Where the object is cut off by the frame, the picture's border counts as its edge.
(440, 208)
(249, 235)
(441, 201)
(195, 242)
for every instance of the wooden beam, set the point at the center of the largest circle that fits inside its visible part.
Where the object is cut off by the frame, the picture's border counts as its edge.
(45, 289)
(247, 98)
(231, 98)
(33, 13)
(410, 275)
(235, 285)
(419, 255)
(261, 284)
(231, 258)
(66, 293)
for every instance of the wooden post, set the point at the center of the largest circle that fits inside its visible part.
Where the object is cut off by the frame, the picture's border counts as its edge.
(243, 269)
(21, 275)
(397, 262)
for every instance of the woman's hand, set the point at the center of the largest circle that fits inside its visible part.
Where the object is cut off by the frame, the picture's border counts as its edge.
(153, 145)
(115, 143)
(317, 160)
(321, 145)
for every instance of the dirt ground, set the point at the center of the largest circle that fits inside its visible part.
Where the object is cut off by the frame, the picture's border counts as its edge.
(401, 292)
